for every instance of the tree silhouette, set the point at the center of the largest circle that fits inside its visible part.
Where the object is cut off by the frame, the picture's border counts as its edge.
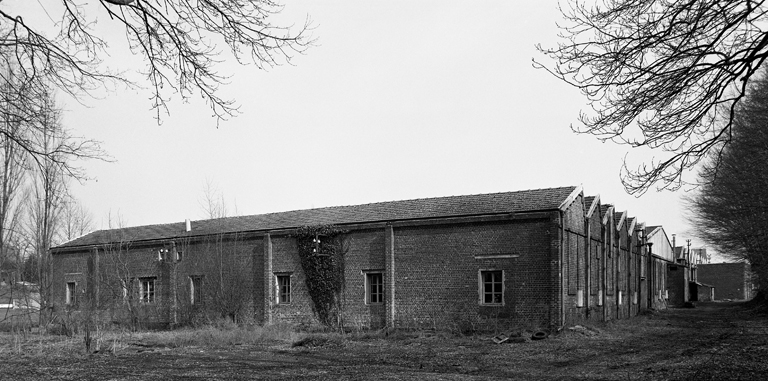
(667, 75)
(730, 211)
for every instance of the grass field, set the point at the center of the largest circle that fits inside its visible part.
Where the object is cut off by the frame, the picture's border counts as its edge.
(715, 341)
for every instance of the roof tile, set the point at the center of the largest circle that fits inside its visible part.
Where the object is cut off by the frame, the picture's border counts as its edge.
(452, 206)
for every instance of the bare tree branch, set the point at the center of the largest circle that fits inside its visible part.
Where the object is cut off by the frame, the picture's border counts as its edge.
(179, 40)
(661, 74)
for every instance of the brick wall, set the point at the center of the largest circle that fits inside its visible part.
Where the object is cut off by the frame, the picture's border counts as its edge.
(731, 280)
(112, 280)
(438, 269)
(575, 252)
(552, 274)
(677, 281)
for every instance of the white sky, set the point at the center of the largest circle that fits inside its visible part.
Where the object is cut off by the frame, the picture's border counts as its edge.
(399, 100)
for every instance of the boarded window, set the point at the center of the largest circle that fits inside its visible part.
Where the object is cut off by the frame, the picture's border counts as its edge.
(571, 259)
(594, 268)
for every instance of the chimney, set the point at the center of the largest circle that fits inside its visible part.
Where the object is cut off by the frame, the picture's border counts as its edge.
(189, 224)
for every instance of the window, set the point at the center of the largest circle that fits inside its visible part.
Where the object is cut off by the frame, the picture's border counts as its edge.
(492, 285)
(71, 298)
(283, 289)
(374, 288)
(147, 290)
(196, 289)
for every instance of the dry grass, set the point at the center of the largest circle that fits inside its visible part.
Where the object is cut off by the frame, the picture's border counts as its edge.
(712, 342)
(219, 336)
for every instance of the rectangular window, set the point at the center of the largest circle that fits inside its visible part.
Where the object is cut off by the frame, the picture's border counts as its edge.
(492, 285)
(71, 297)
(147, 290)
(374, 288)
(196, 289)
(283, 289)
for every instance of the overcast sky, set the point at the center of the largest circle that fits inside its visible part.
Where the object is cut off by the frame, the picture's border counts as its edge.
(398, 100)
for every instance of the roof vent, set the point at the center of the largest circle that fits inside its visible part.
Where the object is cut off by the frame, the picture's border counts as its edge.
(189, 225)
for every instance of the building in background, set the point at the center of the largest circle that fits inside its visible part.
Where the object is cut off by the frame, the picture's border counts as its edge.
(732, 281)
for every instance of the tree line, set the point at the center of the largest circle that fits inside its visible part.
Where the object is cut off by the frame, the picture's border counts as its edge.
(730, 209)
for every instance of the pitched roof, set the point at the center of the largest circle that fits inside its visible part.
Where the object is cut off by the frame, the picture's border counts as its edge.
(649, 230)
(425, 208)
(604, 208)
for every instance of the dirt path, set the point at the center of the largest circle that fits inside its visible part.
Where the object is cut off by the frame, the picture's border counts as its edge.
(714, 341)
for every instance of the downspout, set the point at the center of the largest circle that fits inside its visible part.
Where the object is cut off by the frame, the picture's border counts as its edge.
(560, 271)
(650, 274)
(606, 245)
(617, 278)
(630, 274)
(389, 253)
(268, 279)
(587, 266)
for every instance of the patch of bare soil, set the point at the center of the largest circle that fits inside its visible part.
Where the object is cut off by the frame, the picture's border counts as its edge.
(715, 341)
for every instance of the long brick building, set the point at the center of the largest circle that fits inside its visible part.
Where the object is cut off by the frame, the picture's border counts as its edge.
(542, 258)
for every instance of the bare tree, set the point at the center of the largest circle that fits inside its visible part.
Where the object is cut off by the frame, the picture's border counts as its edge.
(76, 220)
(224, 266)
(26, 97)
(661, 74)
(730, 211)
(47, 195)
(179, 40)
(118, 277)
(212, 202)
(12, 176)
(226, 272)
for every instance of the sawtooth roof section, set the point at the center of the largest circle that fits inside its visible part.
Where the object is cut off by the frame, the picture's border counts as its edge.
(651, 230)
(631, 221)
(416, 209)
(590, 204)
(619, 219)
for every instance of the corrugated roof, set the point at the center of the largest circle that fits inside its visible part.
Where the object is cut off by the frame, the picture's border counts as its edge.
(452, 206)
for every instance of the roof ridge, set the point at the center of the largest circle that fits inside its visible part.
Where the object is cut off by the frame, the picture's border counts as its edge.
(426, 198)
(344, 206)
(415, 208)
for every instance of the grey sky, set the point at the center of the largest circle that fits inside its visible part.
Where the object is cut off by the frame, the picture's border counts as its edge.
(399, 100)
